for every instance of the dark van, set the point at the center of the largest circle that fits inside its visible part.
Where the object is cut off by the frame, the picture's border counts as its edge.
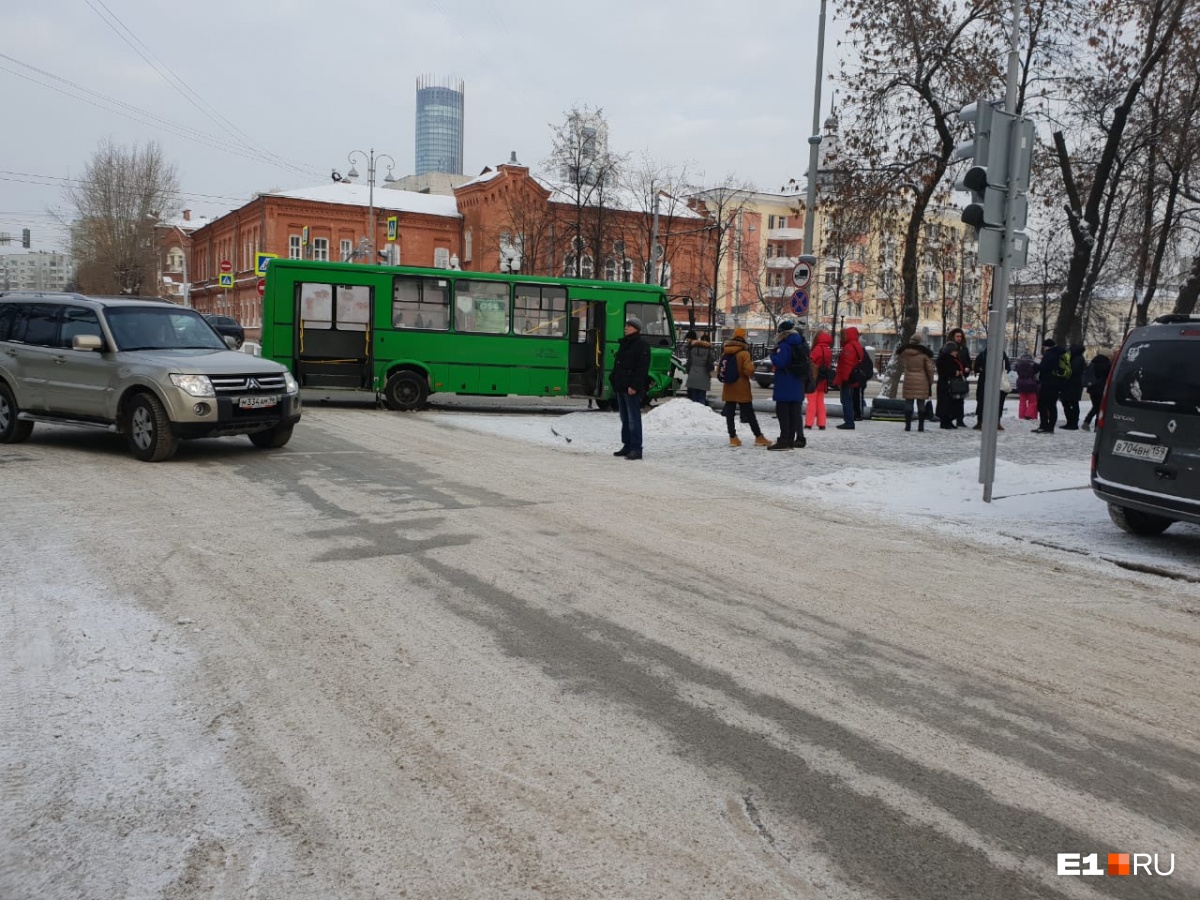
(1146, 459)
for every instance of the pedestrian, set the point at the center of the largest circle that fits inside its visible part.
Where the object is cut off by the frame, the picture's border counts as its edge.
(980, 367)
(700, 364)
(1072, 390)
(851, 355)
(964, 359)
(736, 395)
(949, 406)
(788, 389)
(1095, 377)
(629, 379)
(1027, 387)
(860, 390)
(916, 364)
(822, 358)
(1050, 385)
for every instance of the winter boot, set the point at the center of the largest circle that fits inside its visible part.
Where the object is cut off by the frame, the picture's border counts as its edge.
(761, 441)
(780, 445)
(735, 441)
(920, 423)
(908, 420)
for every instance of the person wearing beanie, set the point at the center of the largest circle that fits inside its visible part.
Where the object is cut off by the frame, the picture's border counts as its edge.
(1050, 385)
(949, 407)
(699, 366)
(630, 379)
(737, 395)
(792, 373)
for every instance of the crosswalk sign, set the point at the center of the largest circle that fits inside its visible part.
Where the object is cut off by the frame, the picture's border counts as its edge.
(260, 262)
(225, 279)
(391, 223)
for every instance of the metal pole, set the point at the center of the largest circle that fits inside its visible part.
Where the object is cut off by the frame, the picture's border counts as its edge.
(371, 208)
(999, 311)
(814, 145)
(654, 241)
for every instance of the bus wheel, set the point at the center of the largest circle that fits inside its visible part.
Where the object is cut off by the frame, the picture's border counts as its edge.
(405, 391)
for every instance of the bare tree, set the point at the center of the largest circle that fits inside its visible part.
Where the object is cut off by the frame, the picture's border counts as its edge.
(723, 206)
(123, 193)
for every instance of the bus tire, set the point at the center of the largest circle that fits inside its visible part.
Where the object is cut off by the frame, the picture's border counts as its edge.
(406, 390)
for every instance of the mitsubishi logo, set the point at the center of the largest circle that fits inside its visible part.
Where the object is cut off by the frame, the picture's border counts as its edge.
(253, 385)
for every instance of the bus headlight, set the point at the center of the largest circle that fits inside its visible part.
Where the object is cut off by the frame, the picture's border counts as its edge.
(196, 385)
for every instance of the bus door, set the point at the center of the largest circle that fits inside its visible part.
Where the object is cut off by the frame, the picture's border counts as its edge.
(333, 335)
(585, 359)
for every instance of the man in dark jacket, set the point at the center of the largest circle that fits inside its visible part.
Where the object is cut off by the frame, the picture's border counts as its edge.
(629, 379)
(1072, 391)
(980, 368)
(1050, 385)
(1094, 380)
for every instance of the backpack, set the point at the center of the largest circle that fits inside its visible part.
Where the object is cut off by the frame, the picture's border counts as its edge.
(1064, 367)
(800, 366)
(727, 369)
(864, 371)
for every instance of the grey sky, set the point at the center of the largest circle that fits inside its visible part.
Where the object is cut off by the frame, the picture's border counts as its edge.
(725, 88)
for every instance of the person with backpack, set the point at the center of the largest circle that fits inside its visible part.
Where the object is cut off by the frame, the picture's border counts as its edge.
(849, 374)
(916, 360)
(1072, 390)
(980, 367)
(700, 364)
(734, 371)
(792, 374)
(821, 359)
(1094, 380)
(630, 378)
(1052, 375)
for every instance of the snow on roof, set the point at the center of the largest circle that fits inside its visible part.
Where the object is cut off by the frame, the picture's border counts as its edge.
(360, 195)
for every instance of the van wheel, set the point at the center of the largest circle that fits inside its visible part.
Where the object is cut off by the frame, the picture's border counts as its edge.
(148, 430)
(406, 391)
(272, 438)
(12, 430)
(1135, 521)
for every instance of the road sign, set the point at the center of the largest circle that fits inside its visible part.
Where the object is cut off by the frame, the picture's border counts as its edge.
(225, 280)
(260, 262)
(802, 274)
(226, 266)
(262, 286)
(800, 302)
(391, 226)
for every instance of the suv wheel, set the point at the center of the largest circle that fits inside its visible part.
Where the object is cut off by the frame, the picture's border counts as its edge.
(272, 437)
(406, 390)
(148, 430)
(12, 430)
(1135, 521)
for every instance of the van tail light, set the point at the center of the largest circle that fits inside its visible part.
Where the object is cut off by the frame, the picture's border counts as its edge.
(1112, 369)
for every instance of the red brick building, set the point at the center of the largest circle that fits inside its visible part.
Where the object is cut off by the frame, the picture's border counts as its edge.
(504, 220)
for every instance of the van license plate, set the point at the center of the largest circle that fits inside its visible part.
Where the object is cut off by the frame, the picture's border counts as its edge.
(1136, 450)
(259, 402)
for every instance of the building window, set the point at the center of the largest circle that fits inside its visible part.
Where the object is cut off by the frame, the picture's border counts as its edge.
(347, 250)
(294, 246)
(321, 249)
(783, 221)
(627, 269)
(585, 267)
(770, 221)
(441, 257)
(610, 269)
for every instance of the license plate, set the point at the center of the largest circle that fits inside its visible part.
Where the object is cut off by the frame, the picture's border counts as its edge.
(259, 402)
(1137, 450)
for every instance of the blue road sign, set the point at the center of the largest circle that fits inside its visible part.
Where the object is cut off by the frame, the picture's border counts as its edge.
(800, 302)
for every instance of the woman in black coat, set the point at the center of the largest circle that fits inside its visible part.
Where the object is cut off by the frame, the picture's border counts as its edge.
(1072, 391)
(1094, 380)
(949, 409)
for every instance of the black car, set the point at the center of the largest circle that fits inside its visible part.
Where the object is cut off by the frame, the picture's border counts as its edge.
(227, 326)
(1146, 459)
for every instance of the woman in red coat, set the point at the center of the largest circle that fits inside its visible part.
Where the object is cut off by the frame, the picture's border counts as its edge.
(822, 360)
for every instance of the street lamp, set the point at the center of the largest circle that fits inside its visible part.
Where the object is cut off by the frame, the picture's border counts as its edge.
(371, 157)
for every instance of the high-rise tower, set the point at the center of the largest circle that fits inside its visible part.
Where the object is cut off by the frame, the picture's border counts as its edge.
(439, 126)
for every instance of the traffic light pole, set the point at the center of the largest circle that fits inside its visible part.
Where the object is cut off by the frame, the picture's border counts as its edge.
(814, 145)
(998, 315)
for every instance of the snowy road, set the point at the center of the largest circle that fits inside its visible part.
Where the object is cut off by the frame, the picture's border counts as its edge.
(403, 658)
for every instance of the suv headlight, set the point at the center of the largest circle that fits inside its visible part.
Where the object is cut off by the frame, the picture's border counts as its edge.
(293, 386)
(196, 385)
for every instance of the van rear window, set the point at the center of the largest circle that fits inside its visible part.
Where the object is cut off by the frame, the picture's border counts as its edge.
(1159, 375)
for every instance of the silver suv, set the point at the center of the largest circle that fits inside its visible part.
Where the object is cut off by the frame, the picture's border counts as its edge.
(1146, 459)
(155, 372)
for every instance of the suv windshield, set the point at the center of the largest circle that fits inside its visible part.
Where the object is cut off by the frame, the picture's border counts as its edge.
(1166, 378)
(155, 328)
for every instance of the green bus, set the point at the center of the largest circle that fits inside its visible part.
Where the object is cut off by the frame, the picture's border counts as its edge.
(406, 332)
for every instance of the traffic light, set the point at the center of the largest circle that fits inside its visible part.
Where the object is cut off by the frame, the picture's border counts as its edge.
(997, 181)
(25, 238)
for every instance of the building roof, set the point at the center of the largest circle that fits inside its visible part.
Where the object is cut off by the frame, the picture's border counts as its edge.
(352, 194)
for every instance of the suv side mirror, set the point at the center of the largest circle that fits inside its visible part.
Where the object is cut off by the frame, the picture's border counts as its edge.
(86, 342)
(231, 342)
